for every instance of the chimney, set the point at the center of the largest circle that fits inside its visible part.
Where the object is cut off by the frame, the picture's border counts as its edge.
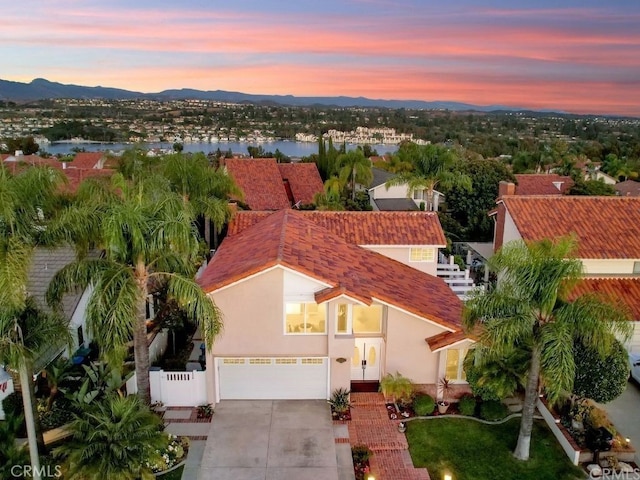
(506, 188)
(233, 207)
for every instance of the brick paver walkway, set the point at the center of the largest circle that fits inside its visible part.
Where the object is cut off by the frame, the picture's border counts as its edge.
(370, 425)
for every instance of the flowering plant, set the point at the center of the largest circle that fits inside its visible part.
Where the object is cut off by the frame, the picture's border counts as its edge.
(171, 455)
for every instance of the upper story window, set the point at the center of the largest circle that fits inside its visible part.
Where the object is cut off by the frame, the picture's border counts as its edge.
(636, 268)
(359, 319)
(305, 318)
(418, 194)
(422, 254)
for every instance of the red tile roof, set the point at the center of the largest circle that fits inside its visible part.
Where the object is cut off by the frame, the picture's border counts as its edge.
(606, 227)
(86, 160)
(542, 184)
(77, 175)
(260, 181)
(288, 238)
(304, 180)
(364, 228)
(624, 290)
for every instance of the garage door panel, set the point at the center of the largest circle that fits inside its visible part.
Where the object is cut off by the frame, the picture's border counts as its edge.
(273, 378)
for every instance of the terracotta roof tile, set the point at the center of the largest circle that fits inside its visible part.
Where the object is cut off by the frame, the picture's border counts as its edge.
(364, 228)
(260, 181)
(542, 184)
(625, 290)
(445, 339)
(289, 238)
(606, 227)
(86, 160)
(304, 180)
(76, 175)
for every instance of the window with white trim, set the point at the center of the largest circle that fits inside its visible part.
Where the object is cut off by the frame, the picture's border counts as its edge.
(358, 319)
(636, 268)
(454, 366)
(305, 318)
(422, 254)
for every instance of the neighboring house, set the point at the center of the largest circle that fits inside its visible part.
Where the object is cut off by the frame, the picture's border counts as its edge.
(396, 198)
(628, 188)
(268, 185)
(608, 234)
(45, 264)
(543, 184)
(84, 165)
(306, 310)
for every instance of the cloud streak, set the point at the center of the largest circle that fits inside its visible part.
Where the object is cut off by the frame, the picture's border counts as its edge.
(582, 59)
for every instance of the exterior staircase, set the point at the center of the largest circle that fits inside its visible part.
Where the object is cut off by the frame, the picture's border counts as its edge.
(459, 281)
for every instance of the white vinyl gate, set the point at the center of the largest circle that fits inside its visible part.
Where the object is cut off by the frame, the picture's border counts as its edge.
(272, 378)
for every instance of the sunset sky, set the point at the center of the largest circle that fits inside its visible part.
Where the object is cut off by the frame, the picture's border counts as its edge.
(583, 56)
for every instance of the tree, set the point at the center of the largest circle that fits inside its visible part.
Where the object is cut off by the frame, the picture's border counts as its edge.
(206, 189)
(600, 378)
(591, 187)
(24, 335)
(113, 439)
(27, 145)
(470, 208)
(433, 166)
(528, 310)
(146, 233)
(27, 202)
(354, 168)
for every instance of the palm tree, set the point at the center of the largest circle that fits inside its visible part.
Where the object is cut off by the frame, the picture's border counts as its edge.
(114, 439)
(433, 165)
(24, 336)
(354, 168)
(27, 201)
(205, 188)
(528, 309)
(146, 233)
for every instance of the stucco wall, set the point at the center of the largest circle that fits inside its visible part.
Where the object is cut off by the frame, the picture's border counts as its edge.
(397, 191)
(510, 230)
(401, 254)
(253, 316)
(608, 266)
(407, 351)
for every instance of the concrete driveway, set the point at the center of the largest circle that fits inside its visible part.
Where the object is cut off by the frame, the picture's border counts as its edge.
(271, 440)
(623, 412)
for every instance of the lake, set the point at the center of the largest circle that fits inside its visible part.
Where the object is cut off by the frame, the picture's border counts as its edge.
(291, 149)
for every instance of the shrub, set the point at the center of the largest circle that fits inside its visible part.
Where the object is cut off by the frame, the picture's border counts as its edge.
(598, 378)
(396, 386)
(467, 405)
(361, 454)
(340, 400)
(423, 405)
(12, 404)
(493, 410)
(205, 410)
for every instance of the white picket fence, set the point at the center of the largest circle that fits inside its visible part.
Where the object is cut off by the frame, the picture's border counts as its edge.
(175, 389)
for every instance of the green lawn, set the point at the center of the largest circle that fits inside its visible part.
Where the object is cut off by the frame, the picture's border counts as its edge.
(471, 450)
(173, 475)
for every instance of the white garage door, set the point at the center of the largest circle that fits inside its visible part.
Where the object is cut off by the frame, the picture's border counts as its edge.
(272, 378)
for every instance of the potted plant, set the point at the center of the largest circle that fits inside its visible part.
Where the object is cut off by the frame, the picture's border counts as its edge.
(205, 411)
(444, 386)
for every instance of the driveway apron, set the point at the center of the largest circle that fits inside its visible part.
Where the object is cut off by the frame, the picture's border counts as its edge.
(270, 440)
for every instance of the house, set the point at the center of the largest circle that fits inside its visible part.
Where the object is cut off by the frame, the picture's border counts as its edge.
(543, 184)
(268, 185)
(628, 188)
(312, 303)
(396, 197)
(608, 234)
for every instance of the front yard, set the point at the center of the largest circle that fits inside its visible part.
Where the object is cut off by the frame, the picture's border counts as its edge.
(470, 450)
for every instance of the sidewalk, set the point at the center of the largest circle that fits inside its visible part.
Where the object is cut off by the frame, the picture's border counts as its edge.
(184, 421)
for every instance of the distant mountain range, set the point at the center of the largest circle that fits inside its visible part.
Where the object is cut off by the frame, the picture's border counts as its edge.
(40, 89)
